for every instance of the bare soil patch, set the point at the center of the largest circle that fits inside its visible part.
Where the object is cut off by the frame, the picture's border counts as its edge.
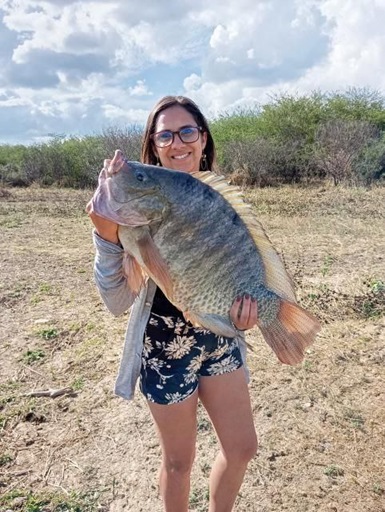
(320, 425)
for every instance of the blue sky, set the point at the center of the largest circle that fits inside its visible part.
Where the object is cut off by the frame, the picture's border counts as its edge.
(77, 67)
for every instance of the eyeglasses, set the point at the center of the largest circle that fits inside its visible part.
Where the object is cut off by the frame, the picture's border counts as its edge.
(187, 134)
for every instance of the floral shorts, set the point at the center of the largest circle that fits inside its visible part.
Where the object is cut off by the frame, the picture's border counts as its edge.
(176, 354)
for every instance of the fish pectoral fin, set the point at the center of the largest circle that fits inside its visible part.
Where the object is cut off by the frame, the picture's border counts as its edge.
(291, 333)
(214, 323)
(155, 264)
(134, 273)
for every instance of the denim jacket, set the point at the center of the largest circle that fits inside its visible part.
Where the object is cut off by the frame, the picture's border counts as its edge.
(118, 298)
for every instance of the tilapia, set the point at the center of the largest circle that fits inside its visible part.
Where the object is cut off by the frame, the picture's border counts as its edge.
(200, 242)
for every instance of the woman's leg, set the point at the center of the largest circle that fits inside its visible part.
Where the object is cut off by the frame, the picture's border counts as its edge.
(176, 426)
(226, 399)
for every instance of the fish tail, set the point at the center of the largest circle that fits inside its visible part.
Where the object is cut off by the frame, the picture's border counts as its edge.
(291, 333)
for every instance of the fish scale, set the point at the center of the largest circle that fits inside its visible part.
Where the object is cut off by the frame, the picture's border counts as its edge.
(198, 240)
(214, 250)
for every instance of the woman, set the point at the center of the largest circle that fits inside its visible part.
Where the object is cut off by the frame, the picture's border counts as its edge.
(177, 364)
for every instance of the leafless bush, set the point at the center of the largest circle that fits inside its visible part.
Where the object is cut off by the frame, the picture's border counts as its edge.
(262, 162)
(11, 175)
(249, 162)
(32, 165)
(126, 139)
(338, 143)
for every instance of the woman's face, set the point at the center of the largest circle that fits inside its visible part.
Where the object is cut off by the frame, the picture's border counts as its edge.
(179, 155)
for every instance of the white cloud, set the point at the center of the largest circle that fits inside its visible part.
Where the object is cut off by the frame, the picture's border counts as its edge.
(140, 89)
(192, 82)
(43, 26)
(356, 54)
(80, 65)
(223, 36)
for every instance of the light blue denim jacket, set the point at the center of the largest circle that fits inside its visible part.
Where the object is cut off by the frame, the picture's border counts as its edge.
(118, 298)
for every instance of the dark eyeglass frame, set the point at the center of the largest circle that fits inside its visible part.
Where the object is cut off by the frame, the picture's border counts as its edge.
(179, 132)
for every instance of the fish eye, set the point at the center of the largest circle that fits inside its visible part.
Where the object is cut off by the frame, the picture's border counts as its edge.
(140, 176)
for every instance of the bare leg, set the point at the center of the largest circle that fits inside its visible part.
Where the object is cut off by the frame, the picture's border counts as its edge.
(176, 425)
(226, 399)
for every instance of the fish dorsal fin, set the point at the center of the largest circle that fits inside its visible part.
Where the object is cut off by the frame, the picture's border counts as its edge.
(277, 278)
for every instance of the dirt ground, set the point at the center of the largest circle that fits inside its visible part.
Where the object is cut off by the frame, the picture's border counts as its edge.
(320, 425)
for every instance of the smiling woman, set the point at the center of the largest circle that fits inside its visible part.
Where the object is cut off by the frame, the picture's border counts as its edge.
(177, 135)
(178, 364)
(178, 144)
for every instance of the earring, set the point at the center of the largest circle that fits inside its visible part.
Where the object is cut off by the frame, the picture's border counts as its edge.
(204, 164)
(157, 161)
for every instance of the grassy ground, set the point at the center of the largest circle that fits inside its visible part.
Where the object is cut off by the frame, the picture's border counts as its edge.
(320, 425)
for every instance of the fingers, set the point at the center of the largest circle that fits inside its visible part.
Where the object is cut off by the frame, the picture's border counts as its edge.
(253, 313)
(235, 310)
(244, 312)
(116, 163)
(106, 163)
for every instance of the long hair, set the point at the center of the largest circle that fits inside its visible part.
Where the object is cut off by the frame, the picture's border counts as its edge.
(148, 155)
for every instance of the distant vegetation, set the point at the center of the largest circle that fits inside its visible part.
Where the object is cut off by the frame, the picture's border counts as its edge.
(338, 137)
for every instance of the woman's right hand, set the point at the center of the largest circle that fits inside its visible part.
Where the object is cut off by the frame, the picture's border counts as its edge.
(106, 229)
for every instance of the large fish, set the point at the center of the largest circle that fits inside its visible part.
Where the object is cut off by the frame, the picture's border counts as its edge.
(200, 242)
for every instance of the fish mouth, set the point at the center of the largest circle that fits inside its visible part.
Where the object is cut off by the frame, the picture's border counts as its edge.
(126, 201)
(116, 197)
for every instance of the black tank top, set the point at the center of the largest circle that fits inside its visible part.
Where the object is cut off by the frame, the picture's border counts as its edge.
(162, 306)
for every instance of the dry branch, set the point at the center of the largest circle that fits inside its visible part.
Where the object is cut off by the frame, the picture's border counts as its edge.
(52, 393)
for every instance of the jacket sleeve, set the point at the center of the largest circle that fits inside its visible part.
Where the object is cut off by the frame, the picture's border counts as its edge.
(109, 277)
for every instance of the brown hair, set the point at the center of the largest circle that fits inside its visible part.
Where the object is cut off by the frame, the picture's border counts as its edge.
(148, 155)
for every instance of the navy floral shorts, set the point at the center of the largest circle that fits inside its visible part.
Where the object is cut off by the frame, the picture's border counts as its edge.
(175, 354)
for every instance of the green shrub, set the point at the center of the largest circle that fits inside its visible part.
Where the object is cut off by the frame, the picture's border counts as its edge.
(292, 138)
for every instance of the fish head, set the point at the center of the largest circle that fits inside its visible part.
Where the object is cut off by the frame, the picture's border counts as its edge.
(129, 194)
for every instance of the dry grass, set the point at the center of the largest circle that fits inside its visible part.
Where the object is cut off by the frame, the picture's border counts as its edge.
(321, 425)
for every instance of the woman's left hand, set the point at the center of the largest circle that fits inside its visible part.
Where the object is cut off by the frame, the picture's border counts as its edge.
(244, 313)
